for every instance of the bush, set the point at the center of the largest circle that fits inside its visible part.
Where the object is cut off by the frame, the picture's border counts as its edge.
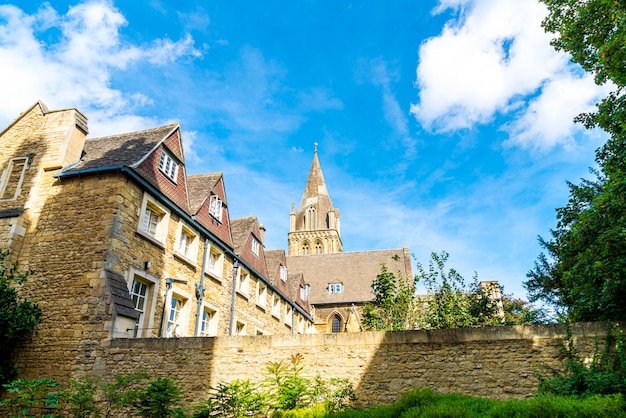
(160, 399)
(32, 396)
(236, 399)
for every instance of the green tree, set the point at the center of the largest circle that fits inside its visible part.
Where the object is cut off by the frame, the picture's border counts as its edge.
(18, 317)
(521, 312)
(393, 308)
(450, 303)
(582, 271)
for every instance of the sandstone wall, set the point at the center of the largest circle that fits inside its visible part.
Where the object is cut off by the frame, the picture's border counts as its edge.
(498, 362)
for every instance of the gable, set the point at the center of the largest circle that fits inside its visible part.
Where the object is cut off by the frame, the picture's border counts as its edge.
(219, 228)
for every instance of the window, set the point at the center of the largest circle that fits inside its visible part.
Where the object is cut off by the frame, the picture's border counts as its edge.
(208, 322)
(334, 288)
(288, 314)
(187, 243)
(216, 262)
(283, 273)
(139, 295)
(318, 247)
(304, 292)
(153, 220)
(215, 208)
(141, 287)
(305, 248)
(336, 324)
(261, 295)
(177, 315)
(12, 177)
(168, 166)
(240, 329)
(300, 324)
(276, 306)
(255, 246)
(244, 282)
(259, 331)
(311, 218)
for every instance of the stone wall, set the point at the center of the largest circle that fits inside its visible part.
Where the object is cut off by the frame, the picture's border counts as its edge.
(498, 362)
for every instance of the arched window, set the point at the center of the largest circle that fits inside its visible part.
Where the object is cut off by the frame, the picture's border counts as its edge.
(305, 248)
(319, 249)
(336, 325)
(311, 217)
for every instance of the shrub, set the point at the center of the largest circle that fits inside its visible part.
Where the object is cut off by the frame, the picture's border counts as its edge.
(32, 396)
(160, 399)
(236, 399)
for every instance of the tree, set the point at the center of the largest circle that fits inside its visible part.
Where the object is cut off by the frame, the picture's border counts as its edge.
(450, 304)
(583, 269)
(18, 317)
(394, 303)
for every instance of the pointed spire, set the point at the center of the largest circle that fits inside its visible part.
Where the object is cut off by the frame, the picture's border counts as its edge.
(315, 191)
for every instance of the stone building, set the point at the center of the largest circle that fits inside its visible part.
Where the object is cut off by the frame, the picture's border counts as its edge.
(339, 282)
(124, 243)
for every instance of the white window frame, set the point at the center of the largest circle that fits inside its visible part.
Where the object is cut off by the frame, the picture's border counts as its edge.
(283, 273)
(276, 306)
(261, 295)
(187, 243)
(208, 326)
(168, 165)
(255, 246)
(145, 322)
(288, 314)
(300, 322)
(215, 262)
(243, 282)
(5, 179)
(240, 327)
(335, 288)
(177, 325)
(150, 204)
(216, 207)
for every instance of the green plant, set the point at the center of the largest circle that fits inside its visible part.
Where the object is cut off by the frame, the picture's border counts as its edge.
(288, 389)
(160, 399)
(236, 399)
(18, 317)
(81, 398)
(605, 374)
(123, 393)
(28, 397)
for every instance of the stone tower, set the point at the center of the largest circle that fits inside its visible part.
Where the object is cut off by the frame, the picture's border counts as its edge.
(314, 227)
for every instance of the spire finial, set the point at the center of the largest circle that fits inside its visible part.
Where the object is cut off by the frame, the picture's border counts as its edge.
(316, 144)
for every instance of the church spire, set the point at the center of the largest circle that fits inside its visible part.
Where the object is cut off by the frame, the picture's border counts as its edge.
(314, 228)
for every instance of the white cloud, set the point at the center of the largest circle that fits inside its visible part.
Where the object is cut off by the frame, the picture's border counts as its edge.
(489, 61)
(75, 69)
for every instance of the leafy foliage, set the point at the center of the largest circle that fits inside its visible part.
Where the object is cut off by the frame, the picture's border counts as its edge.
(521, 312)
(81, 398)
(583, 269)
(450, 304)
(123, 393)
(29, 397)
(236, 399)
(288, 389)
(160, 399)
(18, 317)
(393, 308)
(604, 375)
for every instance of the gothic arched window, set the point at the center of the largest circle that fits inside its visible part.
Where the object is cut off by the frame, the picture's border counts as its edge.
(311, 218)
(319, 249)
(336, 324)
(305, 248)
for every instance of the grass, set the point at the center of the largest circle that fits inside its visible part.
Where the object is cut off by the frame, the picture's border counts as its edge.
(424, 403)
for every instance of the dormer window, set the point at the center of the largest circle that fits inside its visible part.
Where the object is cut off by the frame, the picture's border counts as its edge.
(335, 288)
(215, 208)
(168, 166)
(283, 273)
(255, 246)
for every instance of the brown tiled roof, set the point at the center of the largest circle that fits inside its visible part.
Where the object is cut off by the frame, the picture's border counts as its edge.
(272, 260)
(125, 149)
(199, 188)
(241, 229)
(355, 270)
(296, 280)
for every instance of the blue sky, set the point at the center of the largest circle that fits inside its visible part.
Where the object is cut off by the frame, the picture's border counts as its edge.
(442, 125)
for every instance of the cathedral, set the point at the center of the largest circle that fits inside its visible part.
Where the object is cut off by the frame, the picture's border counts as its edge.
(338, 282)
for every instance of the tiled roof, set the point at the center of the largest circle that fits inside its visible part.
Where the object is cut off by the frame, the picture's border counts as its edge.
(199, 188)
(124, 149)
(241, 229)
(355, 270)
(120, 296)
(272, 260)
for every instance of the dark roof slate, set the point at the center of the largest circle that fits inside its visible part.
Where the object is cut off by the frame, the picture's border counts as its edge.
(119, 294)
(199, 187)
(116, 150)
(241, 229)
